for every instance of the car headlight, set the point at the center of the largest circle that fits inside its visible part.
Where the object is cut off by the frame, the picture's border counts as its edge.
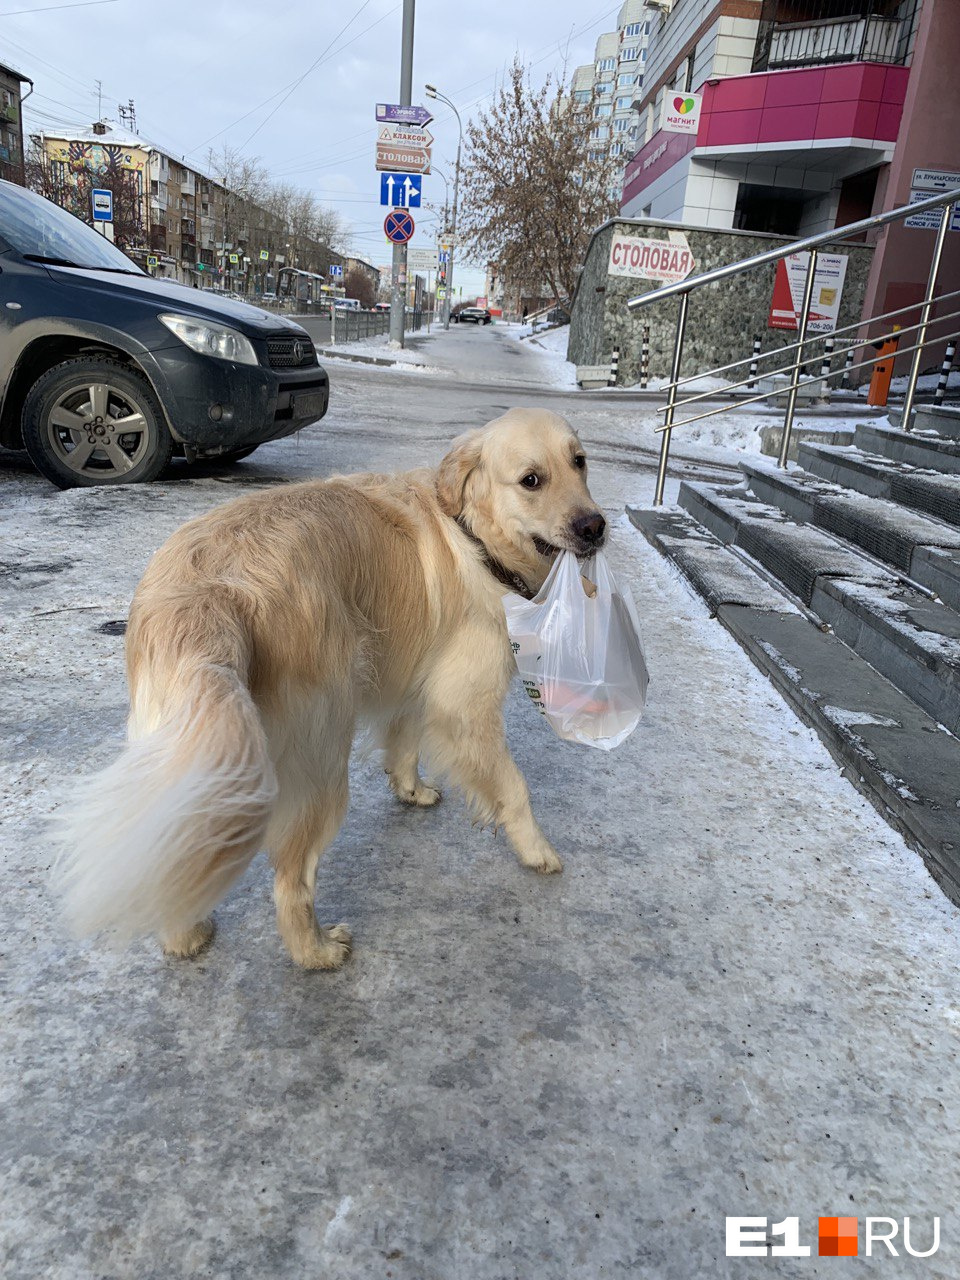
(210, 339)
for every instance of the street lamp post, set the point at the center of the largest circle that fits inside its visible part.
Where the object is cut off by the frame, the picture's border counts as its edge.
(433, 92)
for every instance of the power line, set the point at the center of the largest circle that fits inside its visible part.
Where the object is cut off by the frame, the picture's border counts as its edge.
(80, 4)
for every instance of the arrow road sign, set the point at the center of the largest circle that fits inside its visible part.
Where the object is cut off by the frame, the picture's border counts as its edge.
(394, 113)
(399, 226)
(402, 159)
(335, 270)
(400, 190)
(403, 135)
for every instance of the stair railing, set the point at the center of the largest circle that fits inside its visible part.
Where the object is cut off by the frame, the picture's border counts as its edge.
(683, 288)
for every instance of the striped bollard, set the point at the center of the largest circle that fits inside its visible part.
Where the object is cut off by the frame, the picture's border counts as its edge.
(848, 365)
(828, 344)
(645, 357)
(945, 368)
(755, 362)
(614, 365)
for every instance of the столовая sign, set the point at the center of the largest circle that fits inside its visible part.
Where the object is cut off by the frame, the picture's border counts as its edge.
(665, 260)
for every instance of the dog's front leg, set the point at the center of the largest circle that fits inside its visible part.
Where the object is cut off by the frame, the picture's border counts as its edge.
(474, 753)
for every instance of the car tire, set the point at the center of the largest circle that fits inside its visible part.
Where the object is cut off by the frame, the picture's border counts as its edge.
(68, 424)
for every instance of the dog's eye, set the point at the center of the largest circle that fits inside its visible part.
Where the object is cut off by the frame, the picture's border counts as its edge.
(530, 481)
(579, 462)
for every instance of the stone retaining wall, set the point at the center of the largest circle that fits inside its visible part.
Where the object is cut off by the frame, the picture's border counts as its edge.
(723, 317)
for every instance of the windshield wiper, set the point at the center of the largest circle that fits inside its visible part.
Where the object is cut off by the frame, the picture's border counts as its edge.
(50, 262)
(80, 266)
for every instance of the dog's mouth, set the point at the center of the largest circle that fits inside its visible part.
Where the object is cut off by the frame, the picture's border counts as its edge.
(546, 548)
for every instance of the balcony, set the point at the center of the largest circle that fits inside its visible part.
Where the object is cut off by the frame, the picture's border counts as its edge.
(808, 33)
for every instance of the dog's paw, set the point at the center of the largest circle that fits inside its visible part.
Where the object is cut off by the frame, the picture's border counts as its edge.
(191, 942)
(329, 950)
(420, 794)
(545, 861)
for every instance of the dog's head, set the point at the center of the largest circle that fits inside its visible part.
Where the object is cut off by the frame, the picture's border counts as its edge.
(519, 484)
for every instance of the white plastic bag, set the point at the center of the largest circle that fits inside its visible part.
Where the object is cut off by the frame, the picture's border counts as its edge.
(580, 657)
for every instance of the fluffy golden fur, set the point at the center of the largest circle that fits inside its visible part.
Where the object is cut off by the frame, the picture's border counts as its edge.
(260, 636)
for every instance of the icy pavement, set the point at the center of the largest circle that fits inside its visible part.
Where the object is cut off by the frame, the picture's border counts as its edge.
(739, 999)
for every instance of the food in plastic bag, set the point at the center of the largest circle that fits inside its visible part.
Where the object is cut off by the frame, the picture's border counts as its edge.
(579, 654)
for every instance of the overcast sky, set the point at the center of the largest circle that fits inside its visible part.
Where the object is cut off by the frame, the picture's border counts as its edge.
(202, 72)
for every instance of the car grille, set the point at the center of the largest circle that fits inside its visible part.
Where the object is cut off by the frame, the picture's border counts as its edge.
(290, 351)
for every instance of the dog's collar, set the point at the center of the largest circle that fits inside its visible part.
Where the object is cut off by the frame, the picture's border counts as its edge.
(503, 575)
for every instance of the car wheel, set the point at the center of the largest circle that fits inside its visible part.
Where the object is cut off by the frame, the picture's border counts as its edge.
(94, 421)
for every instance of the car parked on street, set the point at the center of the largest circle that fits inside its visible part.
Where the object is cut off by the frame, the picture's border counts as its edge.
(105, 371)
(473, 315)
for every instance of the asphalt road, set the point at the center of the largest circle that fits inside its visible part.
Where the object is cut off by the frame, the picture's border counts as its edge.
(739, 998)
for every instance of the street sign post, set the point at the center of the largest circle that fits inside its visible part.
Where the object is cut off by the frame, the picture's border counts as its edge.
(399, 226)
(403, 149)
(102, 205)
(421, 260)
(400, 190)
(394, 113)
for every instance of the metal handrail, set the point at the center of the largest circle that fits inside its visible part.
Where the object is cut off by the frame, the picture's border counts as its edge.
(811, 244)
(772, 373)
(777, 391)
(819, 337)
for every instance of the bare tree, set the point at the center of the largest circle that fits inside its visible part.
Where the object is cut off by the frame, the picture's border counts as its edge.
(359, 285)
(535, 184)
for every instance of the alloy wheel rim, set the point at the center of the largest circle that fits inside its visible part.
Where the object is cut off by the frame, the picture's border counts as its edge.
(98, 429)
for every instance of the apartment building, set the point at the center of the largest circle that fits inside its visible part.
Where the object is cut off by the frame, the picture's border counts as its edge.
(609, 85)
(11, 123)
(188, 226)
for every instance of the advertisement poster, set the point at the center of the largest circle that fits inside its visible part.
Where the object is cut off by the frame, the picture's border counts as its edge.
(825, 300)
(665, 260)
(681, 112)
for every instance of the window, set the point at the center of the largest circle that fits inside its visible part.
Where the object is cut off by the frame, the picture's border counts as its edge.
(604, 89)
(601, 133)
(629, 53)
(606, 64)
(582, 95)
(601, 110)
(646, 28)
(624, 81)
(617, 149)
(632, 28)
(643, 55)
(621, 126)
(624, 104)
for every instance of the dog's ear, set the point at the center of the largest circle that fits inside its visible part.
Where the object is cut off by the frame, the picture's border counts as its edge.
(455, 469)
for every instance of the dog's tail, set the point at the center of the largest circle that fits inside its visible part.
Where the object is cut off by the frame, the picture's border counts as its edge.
(157, 838)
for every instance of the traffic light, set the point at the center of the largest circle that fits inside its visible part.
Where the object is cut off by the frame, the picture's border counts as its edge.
(200, 266)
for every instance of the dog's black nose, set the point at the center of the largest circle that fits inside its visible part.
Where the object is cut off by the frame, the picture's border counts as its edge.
(590, 528)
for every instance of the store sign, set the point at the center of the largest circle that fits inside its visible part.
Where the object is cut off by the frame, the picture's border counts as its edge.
(665, 260)
(681, 112)
(788, 287)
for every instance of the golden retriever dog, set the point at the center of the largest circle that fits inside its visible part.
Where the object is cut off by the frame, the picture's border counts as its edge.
(263, 633)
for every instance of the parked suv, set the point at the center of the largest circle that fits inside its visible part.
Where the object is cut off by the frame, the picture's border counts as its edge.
(474, 315)
(106, 371)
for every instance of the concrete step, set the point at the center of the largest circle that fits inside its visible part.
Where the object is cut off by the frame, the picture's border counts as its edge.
(934, 494)
(890, 749)
(927, 550)
(910, 639)
(941, 420)
(932, 452)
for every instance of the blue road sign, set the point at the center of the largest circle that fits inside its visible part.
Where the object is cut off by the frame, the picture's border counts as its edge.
(335, 270)
(399, 226)
(102, 205)
(393, 113)
(443, 255)
(401, 190)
